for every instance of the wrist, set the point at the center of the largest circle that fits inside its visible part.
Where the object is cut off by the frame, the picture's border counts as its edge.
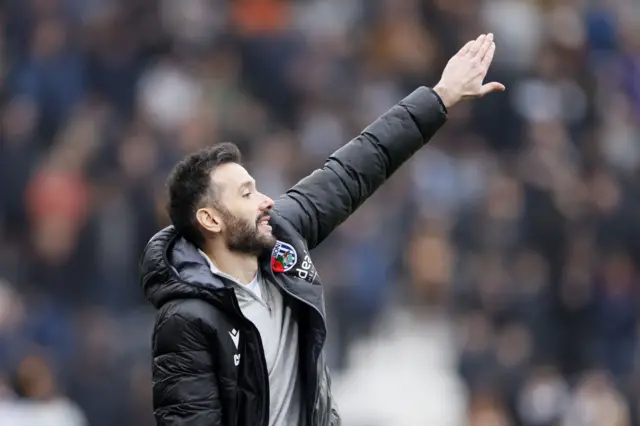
(447, 98)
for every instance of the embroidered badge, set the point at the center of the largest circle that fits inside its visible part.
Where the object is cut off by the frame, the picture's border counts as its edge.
(283, 257)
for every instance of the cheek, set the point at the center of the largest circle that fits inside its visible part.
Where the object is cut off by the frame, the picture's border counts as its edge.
(248, 213)
(246, 210)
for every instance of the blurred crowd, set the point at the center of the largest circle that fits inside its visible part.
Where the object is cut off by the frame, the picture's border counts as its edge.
(520, 221)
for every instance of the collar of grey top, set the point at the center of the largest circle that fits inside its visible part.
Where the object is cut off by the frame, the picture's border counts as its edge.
(215, 271)
(241, 289)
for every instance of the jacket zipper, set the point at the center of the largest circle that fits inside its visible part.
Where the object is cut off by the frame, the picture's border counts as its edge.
(316, 395)
(263, 360)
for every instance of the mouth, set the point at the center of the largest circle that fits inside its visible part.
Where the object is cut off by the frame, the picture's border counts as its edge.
(263, 224)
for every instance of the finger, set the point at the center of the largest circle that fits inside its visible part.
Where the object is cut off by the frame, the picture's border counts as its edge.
(488, 56)
(484, 48)
(465, 48)
(492, 87)
(475, 46)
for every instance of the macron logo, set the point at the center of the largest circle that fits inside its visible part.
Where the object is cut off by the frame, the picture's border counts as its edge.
(235, 336)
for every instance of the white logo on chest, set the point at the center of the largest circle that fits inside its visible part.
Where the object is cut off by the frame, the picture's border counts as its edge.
(235, 336)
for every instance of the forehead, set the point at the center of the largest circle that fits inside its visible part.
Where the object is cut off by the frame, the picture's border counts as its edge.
(230, 176)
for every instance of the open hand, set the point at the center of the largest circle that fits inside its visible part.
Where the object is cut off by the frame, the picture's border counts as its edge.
(464, 74)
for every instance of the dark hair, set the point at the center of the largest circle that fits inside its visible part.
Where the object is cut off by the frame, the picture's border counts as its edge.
(190, 187)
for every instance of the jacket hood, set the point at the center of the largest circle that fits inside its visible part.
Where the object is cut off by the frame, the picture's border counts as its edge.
(172, 268)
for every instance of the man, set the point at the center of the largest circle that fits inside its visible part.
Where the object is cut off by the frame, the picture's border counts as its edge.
(241, 321)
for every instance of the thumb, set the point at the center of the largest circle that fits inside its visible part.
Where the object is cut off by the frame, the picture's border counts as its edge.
(491, 87)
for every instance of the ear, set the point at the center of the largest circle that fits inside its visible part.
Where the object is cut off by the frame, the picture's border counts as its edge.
(209, 219)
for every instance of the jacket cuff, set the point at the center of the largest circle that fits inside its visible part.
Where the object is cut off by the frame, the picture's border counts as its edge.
(426, 108)
(444, 107)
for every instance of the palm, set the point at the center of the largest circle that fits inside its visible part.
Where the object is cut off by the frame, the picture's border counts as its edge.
(465, 72)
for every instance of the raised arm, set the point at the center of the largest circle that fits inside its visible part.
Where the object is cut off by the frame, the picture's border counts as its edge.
(317, 204)
(328, 196)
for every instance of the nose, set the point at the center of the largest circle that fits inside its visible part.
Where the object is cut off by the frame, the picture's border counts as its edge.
(266, 204)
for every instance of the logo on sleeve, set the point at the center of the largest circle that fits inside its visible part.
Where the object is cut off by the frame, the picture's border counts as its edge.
(283, 257)
(306, 270)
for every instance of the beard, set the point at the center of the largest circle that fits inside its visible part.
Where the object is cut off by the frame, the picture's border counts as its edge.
(243, 236)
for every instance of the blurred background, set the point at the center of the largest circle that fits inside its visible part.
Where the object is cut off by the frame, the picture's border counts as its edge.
(493, 281)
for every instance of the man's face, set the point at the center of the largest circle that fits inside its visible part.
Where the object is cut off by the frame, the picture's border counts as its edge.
(241, 216)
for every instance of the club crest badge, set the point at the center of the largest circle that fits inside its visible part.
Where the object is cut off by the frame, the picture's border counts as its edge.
(283, 257)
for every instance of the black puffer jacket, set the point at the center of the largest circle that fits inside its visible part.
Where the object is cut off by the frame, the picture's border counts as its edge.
(200, 378)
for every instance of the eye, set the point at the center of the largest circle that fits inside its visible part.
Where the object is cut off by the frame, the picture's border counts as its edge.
(246, 195)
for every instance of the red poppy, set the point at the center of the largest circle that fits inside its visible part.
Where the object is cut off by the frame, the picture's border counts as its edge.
(276, 266)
